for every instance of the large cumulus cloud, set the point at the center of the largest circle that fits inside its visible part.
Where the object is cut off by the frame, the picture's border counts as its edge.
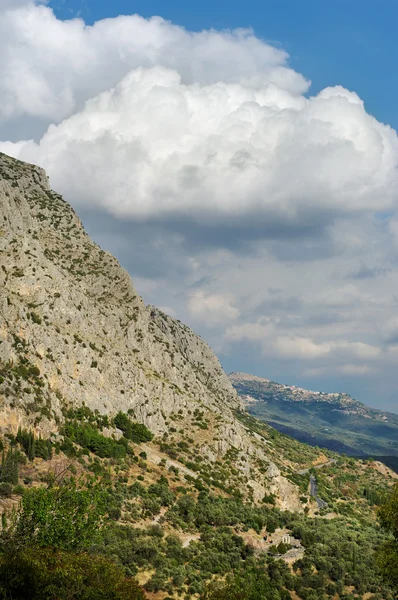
(50, 67)
(154, 147)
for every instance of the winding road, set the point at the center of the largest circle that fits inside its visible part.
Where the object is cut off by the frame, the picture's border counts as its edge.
(332, 461)
(314, 484)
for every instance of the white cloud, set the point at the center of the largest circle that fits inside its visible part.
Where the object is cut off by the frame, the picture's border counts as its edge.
(300, 347)
(146, 285)
(254, 332)
(267, 333)
(390, 331)
(50, 67)
(393, 229)
(154, 147)
(213, 309)
(207, 126)
(308, 349)
(14, 4)
(356, 370)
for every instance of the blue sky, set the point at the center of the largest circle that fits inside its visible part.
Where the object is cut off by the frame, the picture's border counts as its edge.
(348, 42)
(240, 201)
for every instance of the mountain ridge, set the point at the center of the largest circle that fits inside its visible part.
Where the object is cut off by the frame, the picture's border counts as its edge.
(301, 394)
(319, 418)
(75, 332)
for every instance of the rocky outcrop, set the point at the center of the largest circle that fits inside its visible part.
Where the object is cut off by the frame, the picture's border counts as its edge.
(74, 331)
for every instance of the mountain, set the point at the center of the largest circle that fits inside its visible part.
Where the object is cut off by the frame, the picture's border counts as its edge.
(329, 420)
(75, 332)
(114, 414)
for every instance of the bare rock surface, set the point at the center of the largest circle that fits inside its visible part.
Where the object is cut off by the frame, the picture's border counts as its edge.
(74, 331)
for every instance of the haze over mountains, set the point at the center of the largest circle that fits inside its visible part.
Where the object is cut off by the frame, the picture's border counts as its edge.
(331, 420)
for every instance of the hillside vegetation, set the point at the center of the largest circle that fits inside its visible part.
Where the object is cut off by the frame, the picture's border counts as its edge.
(174, 525)
(129, 465)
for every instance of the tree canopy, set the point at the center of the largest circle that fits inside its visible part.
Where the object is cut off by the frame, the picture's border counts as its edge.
(388, 552)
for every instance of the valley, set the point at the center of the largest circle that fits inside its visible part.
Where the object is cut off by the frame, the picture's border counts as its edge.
(334, 421)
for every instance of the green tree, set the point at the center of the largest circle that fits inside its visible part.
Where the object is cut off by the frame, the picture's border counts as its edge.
(136, 432)
(250, 584)
(9, 466)
(388, 552)
(42, 573)
(63, 517)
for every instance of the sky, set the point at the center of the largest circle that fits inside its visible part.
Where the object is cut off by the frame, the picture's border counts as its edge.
(240, 160)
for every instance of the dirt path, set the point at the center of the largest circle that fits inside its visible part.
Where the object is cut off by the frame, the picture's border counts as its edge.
(187, 538)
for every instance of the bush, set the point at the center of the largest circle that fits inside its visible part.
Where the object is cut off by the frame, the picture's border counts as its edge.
(136, 432)
(33, 447)
(388, 552)
(9, 466)
(59, 517)
(87, 436)
(38, 574)
(68, 448)
(269, 499)
(5, 490)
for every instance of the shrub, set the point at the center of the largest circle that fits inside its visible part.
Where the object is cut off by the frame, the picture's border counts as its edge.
(269, 499)
(36, 318)
(5, 490)
(87, 436)
(33, 447)
(136, 432)
(38, 574)
(9, 466)
(63, 517)
(68, 448)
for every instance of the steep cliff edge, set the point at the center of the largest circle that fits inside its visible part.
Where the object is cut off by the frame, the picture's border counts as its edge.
(74, 331)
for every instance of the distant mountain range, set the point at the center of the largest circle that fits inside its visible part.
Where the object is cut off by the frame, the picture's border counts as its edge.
(335, 421)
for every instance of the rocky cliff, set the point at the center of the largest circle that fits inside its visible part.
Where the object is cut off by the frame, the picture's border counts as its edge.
(74, 331)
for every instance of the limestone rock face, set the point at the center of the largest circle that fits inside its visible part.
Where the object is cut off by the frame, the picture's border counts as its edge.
(73, 330)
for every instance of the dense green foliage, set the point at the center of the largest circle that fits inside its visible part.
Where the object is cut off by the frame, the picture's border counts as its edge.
(62, 517)
(47, 539)
(9, 466)
(88, 436)
(83, 428)
(136, 432)
(388, 552)
(45, 574)
(42, 549)
(339, 553)
(253, 584)
(32, 446)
